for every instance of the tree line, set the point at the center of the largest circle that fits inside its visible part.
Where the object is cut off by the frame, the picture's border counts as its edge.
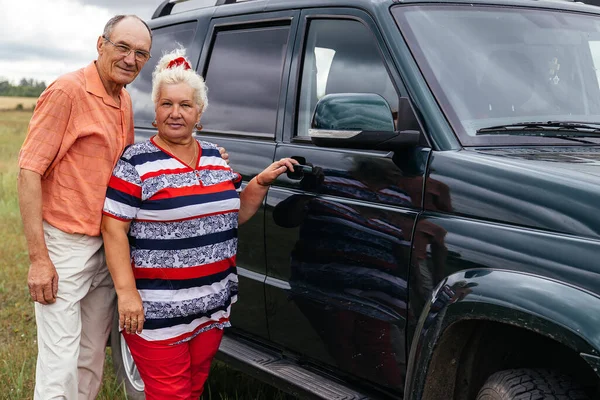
(25, 88)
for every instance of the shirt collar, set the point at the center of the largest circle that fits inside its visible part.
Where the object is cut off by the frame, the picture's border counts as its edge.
(93, 84)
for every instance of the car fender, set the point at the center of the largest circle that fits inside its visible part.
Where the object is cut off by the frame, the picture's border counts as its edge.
(565, 313)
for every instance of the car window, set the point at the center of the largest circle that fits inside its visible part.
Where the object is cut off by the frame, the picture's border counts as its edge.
(595, 52)
(340, 56)
(490, 66)
(244, 80)
(164, 40)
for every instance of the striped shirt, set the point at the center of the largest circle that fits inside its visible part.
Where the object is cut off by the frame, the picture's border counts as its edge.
(183, 237)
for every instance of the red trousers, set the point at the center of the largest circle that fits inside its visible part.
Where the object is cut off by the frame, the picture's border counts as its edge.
(175, 371)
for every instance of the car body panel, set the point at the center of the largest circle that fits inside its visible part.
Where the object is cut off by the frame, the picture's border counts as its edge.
(548, 188)
(561, 312)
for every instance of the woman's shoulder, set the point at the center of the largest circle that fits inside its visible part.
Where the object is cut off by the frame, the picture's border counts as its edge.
(211, 150)
(206, 145)
(139, 148)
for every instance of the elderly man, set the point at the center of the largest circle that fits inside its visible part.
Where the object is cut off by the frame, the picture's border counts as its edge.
(80, 126)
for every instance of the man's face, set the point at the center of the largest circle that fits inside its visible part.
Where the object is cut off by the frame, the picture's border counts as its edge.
(113, 65)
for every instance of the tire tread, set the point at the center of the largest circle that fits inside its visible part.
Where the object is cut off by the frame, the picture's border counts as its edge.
(531, 384)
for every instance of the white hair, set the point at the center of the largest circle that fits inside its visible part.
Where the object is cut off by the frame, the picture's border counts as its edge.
(165, 75)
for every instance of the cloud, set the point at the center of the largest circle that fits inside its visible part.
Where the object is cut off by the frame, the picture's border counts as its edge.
(118, 4)
(142, 8)
(44, 39)
(35, 52)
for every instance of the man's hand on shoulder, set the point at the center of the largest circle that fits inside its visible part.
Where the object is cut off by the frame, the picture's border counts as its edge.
(224, 154)
(43, 281)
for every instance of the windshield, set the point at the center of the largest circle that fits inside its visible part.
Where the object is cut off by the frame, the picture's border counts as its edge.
(492, 66)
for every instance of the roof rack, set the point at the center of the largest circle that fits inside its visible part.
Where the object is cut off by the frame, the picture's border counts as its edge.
(166, 7)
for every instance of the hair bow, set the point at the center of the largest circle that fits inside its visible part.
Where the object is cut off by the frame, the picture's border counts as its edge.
(179, 61)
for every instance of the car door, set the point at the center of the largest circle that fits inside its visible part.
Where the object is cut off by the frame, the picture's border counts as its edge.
(245, 63)
(338, 235)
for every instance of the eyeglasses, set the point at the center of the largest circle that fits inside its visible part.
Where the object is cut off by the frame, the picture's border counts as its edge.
(124, 50)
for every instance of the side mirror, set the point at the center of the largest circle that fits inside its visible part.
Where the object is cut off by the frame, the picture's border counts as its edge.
(358, 120)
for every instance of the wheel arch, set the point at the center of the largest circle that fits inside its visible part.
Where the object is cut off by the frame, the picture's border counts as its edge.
(468, 309)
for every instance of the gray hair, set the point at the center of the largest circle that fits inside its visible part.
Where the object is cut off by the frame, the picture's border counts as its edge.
(163, 74)
(110, 25)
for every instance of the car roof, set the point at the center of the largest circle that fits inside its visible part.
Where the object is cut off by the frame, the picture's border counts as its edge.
(231, 7)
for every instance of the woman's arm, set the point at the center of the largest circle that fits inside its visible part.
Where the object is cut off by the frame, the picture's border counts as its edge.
(116, 246)
(254, 193)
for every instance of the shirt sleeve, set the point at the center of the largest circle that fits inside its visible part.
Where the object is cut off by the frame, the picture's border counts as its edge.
(124, 193)
(47, 129)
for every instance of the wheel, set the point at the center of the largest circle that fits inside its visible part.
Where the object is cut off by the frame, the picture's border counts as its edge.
(530, 384)
(125, 370)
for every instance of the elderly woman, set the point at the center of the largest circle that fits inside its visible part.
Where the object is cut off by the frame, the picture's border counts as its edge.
(170, 231)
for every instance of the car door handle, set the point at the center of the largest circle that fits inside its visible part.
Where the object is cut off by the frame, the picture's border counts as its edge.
(300, 170)
(305, 169)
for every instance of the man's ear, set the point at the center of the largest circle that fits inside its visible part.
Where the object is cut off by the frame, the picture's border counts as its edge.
(100, 44)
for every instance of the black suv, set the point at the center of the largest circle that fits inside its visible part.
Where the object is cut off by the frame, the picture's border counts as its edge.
(441, 238)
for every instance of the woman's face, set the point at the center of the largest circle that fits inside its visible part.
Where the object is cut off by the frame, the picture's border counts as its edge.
(176, 111)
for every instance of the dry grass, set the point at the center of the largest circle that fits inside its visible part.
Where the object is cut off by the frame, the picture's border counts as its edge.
(18, 346)
(11, 103)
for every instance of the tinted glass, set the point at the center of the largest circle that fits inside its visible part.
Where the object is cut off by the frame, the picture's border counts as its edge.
(163, 41)
(341, 56)
(491, 66)
(244, 80)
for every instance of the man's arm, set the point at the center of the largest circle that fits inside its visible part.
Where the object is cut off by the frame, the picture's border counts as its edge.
(47, 129)
(42, 278)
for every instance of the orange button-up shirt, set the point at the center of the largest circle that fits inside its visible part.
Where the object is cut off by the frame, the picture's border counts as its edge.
(76, 135)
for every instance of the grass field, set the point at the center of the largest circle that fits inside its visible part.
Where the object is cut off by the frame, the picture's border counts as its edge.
(10, 103)
(18, 346)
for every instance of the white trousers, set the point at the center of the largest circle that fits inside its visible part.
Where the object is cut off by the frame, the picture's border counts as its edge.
(72, 332)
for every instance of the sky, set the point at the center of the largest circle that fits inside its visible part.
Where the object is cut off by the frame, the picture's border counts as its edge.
(43, 39)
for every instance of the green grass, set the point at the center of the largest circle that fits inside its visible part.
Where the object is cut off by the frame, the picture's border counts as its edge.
(17, 322)
(18, 346)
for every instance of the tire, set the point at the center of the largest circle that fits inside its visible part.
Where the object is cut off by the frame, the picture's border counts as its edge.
(531, 384)
(125, 370)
